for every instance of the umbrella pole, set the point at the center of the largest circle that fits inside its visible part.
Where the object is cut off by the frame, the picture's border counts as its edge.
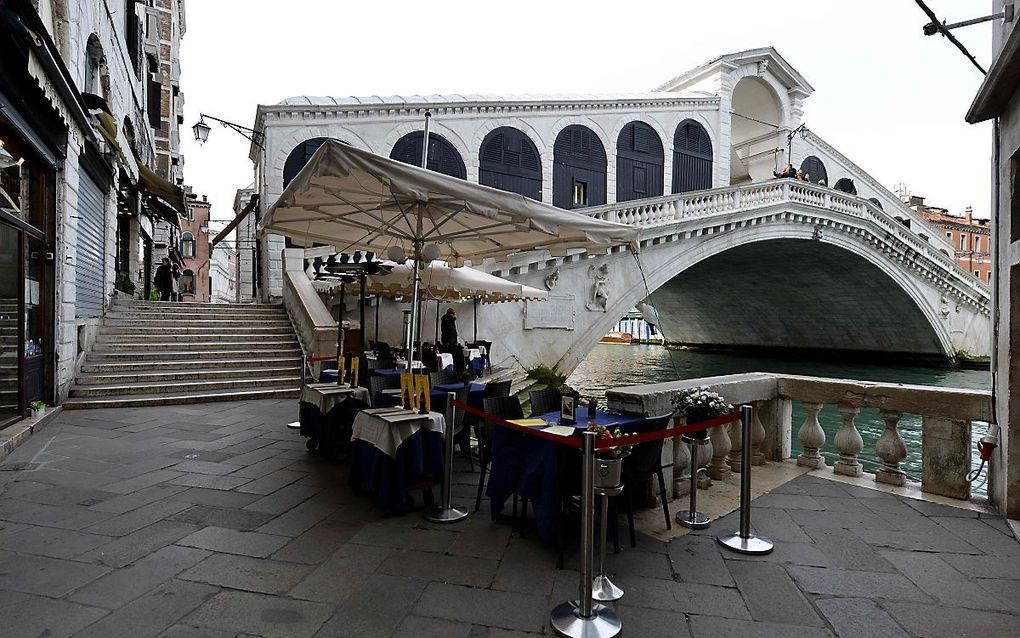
(362, 361)
(340, 336)
(476, 319)
(437, 321)
(415, 294)
(378, 299)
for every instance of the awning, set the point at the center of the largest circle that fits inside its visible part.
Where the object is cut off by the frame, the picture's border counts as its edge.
(252, 203)
(165, 197)
(357, 200)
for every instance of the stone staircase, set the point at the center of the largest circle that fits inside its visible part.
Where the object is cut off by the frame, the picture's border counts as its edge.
(8, 356)
(152, 353)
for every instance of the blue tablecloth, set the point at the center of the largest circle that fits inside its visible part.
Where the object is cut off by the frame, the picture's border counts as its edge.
(419, 462)
(475, 393)
(529, 466)
(331, 431)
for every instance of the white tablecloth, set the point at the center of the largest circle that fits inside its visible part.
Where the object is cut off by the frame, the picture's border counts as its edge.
(445, 359)
(386, 430)
(474, 353)
(325, 396)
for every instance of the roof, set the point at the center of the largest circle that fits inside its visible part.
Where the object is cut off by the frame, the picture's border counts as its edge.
(778, 66)
(1000, 84)
(374, 100)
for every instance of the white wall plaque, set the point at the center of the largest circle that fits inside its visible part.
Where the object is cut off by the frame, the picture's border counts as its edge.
(555, 312)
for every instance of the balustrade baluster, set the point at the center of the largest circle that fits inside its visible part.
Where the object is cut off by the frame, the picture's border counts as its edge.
(811, 437)
(757, 436)
(733, 429)
(718, 468)
(848, 443)
(891, 449)
(681, 459)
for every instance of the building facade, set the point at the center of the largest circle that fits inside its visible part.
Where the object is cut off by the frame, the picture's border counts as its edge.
(970, 237)
(998, 100)
(223, 275)
(82, 191)
(194, 250)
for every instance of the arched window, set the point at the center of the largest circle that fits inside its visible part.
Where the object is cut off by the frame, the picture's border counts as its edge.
(299, 157)
(188, 245)
(93, 67)
(814, 170)
(186, 284)
(878, 205)
(442, 158)
(639, 162)
(508, 160)
(579, 168)
(846, 185)
(692, 158)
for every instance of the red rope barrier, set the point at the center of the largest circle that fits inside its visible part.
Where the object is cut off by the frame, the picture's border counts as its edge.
(317, 359)
(555, 438)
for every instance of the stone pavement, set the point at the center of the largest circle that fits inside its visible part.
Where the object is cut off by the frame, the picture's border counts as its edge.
(211, 521)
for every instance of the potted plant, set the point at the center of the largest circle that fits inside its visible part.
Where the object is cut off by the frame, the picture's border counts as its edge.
(693, 405)
(38, 408)
(609, 461)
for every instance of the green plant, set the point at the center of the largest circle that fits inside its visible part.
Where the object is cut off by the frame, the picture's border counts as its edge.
(616, 451)
(153, 296)
(124, 284)
(37, 405)
(547, 376)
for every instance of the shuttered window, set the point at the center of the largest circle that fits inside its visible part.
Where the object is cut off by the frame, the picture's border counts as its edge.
(814, 170)
(442, 156)
(509, 161)
(692, 158)
(90, 249)
(578, 157)
(299, 157)
(639, 162)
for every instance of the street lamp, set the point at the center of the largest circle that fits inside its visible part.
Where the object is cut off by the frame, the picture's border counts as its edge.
(201, 130)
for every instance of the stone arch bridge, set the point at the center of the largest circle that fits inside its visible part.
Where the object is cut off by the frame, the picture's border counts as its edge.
(782, 264)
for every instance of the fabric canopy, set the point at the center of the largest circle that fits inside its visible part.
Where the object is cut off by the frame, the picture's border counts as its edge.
(440, 281)
(357, 200)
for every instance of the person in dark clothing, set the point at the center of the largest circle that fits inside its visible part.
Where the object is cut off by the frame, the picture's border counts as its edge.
(448, 335)
(164, 280)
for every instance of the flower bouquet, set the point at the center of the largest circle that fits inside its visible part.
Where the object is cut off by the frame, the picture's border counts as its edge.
(699, 404)
(609, 462)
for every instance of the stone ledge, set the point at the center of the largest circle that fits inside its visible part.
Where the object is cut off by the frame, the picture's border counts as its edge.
(15, 435)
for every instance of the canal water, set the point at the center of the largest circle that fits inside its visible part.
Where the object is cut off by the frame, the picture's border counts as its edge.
(612, 365)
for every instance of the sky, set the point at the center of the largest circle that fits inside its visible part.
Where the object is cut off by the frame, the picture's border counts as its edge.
(886, 96)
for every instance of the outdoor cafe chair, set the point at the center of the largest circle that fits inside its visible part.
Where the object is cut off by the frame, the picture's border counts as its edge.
(544, 401)
(505, 407)
(644, 461)
(377, 383)
(443, 378)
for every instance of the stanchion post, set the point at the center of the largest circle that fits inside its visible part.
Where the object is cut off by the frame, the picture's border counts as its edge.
(692, 518)
(743, 541)
(446, 512)
(582, 618)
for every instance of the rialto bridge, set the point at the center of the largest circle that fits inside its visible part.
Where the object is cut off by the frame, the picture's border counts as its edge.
(730, 256)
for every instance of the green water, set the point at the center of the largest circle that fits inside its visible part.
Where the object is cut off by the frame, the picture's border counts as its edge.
(610, 366)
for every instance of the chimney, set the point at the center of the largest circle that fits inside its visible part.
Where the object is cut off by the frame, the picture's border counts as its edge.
(968, 214)
(205, 198)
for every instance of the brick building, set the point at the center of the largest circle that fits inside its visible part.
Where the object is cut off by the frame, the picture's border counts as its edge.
(194, 249)
(970, 237)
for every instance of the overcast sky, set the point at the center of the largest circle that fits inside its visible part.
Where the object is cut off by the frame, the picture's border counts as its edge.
(889, 98)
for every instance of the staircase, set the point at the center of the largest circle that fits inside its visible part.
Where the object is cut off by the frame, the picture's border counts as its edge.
(8, 356)
(151, 353)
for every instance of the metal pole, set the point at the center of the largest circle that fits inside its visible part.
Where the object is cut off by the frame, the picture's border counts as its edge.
(377, 300)
(582, 618)
(340, 335)
(743, 541)
(476, 319)
(437, 321)
(425, 142)
(446, 512)
(602, 588)
(692, 518)
(362, 360)
(415, 291)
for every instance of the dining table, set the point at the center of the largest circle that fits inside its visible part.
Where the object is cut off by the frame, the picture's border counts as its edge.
(324, 413)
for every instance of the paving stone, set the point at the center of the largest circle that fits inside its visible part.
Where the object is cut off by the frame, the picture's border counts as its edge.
(938, 579)
(317, 544)
(261, 615)
(458, 570)
(52, 542)
(788, 501)
(264, 467)
(844, 582)
(185, 631)
(507, 610)
(45, 576)
(1004, 567)
(777, 523)
(248, 574)
(426, 540)
(210, 481)
(222, 517)
(685, 597)
(51, 495)
(142, 481)
(939, 621)
(212, 498)
(149, 615)
(25, 615)
(859, 617)
(272, 482)
(355, 562)
(126, 503)
(652, 623)
(985, 537)
(939, 540)
(301, 518)
(195, 466)
(124, 585)
(785, 553)
(708, 627)
(697, 559)
(232, 541)
(142, 466)
(848, 551)
(928, 508)
(771, 595)
(1008, 591)
(480, 537)
(138, 518)
(283, 499)
(637, 563)
(421, 627)
(375, 608)
(127, 549)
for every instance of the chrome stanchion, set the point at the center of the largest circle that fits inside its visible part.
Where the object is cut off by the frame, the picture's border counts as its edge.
(603, 589)
(692, 518)
(743, 541)
(447, 513)
(582, 618)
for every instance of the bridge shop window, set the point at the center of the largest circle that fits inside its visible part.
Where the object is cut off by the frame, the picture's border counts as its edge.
(509, 161)
(578, 158)
(846, 185)
(639, 162)
(442, 158)
(814, 170)
(692, 158)
(299, 157)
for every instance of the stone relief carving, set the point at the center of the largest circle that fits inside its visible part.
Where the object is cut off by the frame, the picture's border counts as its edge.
(550, 281)
(598, 299)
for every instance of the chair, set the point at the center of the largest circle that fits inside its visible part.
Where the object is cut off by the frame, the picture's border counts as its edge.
(644, 461)
(505, 407)
(443, 378)
(543, 401)
(377, 383)
(496, 389)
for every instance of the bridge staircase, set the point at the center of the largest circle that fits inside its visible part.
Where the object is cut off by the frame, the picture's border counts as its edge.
(158, 353)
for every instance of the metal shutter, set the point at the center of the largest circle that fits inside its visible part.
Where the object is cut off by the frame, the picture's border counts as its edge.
(90, 266)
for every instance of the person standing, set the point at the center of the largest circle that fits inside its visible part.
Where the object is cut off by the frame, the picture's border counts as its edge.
(448, 335)
(164, 280)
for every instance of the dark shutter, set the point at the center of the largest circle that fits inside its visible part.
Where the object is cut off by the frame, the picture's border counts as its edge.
(846, 185)
(299, 157)
(578, 156)
(509, 161)
(639, 163)
(814, 170)
(442, 157)
(692, 158)
(90, 249)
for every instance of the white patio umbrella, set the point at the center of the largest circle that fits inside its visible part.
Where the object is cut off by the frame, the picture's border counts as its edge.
(356, 200)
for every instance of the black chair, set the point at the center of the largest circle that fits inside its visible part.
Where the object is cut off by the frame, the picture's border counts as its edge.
(505, 407)
(644, 461)
(496, 389)
(429, 358)
(379, 382)
(543, 401)
(442, 378)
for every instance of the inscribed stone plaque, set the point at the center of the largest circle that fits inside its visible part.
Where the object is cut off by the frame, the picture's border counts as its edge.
(554, 312)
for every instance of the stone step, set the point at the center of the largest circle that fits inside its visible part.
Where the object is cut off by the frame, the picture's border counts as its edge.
(189, 373)
(144, 319)
(138, 303)
(197, 334)
(117, 356)
(203, 345)
(172, 366)
(179, 398)
(118, 389)
(198, 313)
(116, 325)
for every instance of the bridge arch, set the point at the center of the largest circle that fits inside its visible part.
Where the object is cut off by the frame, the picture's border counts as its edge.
(639, 162)
(443, 157)
(579, 168)
(509, 160)
(757, 115)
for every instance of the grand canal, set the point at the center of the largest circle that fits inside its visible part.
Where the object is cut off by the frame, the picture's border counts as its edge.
(610, 366)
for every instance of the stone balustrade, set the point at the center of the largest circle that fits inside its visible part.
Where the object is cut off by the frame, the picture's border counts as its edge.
(946, 415)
